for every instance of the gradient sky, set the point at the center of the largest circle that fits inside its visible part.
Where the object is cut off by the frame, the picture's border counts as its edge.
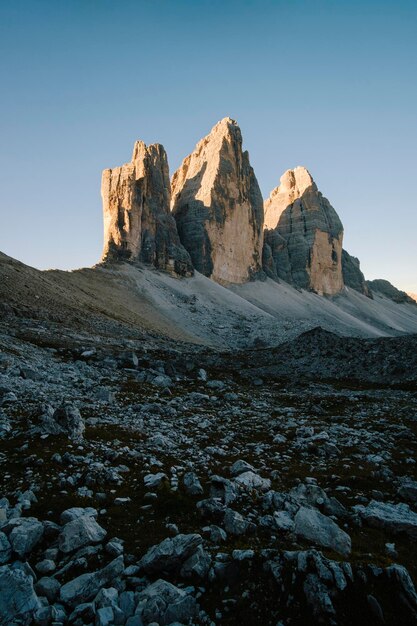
(328, 84)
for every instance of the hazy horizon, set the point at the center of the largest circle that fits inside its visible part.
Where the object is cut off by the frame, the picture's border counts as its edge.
(324, 85)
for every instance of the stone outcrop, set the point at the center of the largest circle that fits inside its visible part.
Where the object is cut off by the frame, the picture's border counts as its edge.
(218, 207)
(385, 288)
(304, 235)
(138, 225)
(352, 274)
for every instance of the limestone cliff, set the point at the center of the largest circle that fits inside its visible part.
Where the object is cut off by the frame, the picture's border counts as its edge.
(218, 207)
(352, 274)
(304, 234)
(138, 225)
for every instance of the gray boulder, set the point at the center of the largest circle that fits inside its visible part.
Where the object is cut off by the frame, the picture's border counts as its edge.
(235, 524)
(393, 517)
(192, 484)
(251, 481)
(241, 466)
(223, 489)
(65, 420)
(80, 532)
(18, 600)
(85, 587)
(155, 481)
(76, 511)
(25, 535)
(163, 603)
(197, 565)
(169, 555)
(48, 587)
(313, 526)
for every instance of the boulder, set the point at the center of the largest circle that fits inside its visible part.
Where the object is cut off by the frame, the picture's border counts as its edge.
(65, 420)
(163, 603)
(218, 207)
(18, 600)
(25, 535)
(76, 511)
(138, 225)
(241, 466)
(192, 484)
(304, 234)
(321, 530)
(249, 480)
(48, 587)
(169, 555)
(155, 481)
(85, 587)
(392, 517)
(235, 524)
(80, 532)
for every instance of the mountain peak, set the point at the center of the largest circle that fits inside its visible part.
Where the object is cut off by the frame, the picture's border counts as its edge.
(218, 206)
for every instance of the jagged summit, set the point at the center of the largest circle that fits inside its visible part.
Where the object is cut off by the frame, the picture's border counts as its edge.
(138, 225)
(218, 206)
(217, 222)
(293, 183)
(304, 235)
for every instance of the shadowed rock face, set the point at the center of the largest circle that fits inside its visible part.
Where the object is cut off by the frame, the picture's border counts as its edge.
(308, 251)
(352, 274)
(384, 287)
(218, 207)
(138, 225)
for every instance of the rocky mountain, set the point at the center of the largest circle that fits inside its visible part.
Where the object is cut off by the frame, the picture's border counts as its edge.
(304, 235)
(352, 274)
(412, 295)
(179, 451)
(138, 225)
(218, 207)
(385, 288)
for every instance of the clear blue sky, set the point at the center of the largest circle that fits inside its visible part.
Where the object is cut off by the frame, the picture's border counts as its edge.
(329, 84)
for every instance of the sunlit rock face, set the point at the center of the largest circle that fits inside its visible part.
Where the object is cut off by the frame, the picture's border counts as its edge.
(218, 207)
(304, 234)
(138, 225)
(352, 274)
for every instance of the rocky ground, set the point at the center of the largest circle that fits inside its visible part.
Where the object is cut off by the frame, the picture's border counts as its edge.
(146, 484)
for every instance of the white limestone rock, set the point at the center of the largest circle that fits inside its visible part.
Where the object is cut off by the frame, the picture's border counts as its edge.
(138, 225)
(304, 235)
(218, 207)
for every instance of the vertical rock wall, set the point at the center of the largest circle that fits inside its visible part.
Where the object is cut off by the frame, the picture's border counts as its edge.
(218, 207)
(138, 225)
(305, 234)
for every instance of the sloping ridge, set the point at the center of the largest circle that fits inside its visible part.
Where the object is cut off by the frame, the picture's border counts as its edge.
(193, 310)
